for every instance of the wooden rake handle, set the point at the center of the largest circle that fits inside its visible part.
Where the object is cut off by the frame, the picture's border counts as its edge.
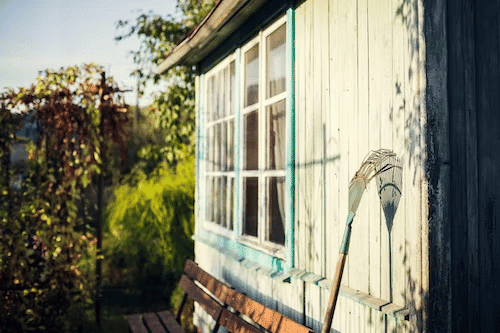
(344, 248)
(327, 324)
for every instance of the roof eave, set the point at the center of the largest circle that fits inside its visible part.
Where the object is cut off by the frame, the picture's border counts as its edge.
(221, 21)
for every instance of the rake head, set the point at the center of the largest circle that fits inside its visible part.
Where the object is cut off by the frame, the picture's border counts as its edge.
(374, 164)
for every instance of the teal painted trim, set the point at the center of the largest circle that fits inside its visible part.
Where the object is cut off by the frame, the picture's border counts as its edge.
(344, 248)
(240, 252)
(290, 163)
(237, 165)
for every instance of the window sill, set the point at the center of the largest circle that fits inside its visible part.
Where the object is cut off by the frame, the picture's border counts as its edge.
(274, 269)
(269, 249)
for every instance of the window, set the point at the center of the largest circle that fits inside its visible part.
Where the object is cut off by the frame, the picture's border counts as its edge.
(256, 126)
(219, 133)
(264, 131)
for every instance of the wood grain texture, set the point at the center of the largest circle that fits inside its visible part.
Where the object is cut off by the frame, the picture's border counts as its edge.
(136, 324)
(169, 321)
(153, 323)
(261, 314)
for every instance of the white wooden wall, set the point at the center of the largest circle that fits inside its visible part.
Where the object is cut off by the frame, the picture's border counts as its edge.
(358, 86)
(357, 89)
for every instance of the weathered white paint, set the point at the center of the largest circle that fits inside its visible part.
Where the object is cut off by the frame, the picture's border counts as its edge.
(371, 70)
(358, 88)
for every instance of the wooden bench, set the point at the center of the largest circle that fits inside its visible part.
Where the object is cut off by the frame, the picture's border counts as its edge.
(229, 308)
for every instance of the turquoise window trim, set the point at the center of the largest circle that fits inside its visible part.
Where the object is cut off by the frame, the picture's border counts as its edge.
(290, 125)
(240, 251)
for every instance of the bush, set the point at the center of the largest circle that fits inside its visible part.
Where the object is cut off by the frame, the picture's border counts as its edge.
(150, 222)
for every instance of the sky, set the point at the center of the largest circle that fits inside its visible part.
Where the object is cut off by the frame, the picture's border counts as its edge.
(40, 34)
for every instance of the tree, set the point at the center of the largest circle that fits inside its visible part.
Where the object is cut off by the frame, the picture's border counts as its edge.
(158, 35)
(45, 243)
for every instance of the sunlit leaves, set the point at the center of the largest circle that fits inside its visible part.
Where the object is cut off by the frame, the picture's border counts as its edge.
(175, 106)
(46, 249)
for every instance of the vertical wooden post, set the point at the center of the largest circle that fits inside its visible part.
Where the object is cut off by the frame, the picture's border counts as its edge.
(100, 189)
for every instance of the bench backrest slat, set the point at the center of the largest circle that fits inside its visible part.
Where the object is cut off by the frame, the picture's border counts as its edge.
(168, 321)
(153, 323)
(235, 324)
(225, 318)
(211, 306)
(136, 325)
(269, 319)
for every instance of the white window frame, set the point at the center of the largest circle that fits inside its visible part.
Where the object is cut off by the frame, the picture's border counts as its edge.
(259, 243)
(211, 225)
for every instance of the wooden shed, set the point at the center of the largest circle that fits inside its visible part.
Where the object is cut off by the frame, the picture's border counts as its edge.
(291, 96)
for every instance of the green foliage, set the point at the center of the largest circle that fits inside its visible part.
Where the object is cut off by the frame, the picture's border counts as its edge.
(175, 106)
(195, 10)
(150, 225)
(177, 122)
(46, 251)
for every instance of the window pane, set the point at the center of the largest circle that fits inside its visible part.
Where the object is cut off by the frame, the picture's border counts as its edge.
(251, 206)
(210, 200)
(230, 202)
(251, 140)
(225, 91)
(232, 88)
(216, 200)
(230, 146)
(275, 140)
(216, 96)
(217, 148)
(252, 76)
(210, 98)
(276, 210)
(223, 146)
(276, 62)
(209, 147)
(222, 200)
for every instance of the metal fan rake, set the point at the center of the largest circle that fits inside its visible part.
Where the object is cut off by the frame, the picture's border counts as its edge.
(375, 164)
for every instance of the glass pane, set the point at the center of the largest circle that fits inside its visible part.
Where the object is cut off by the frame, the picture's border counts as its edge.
(232, 88)
(217, 148)
(210, 148)
(225, 92)
(276, 62)
(252, 76)
(276, 138)
(210, 200)
(251, 206)
(223, 146)
(216, 199)
(213, 98)
(222, 94)
(222, 200)
(276, 210)
(217, 96)
(209, 98)
(251, 140)
(230, 145)
(230, 202)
